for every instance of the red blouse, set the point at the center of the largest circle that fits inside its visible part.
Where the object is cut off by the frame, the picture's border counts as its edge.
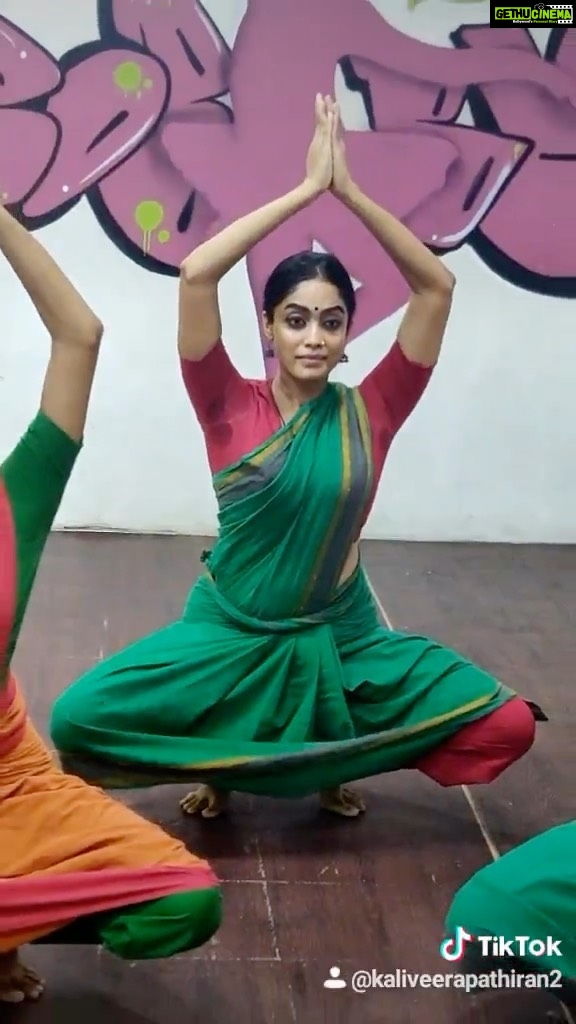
(237, 414)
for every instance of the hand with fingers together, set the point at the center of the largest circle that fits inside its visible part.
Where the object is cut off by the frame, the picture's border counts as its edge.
(341, 182)
(319, 160)
(326, 166)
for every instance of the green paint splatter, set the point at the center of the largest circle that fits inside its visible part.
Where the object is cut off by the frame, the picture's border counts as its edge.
(149, 216)
(164, 236)
(128, 76)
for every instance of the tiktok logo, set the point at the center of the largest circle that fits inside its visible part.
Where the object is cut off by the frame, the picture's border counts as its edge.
(453, 949)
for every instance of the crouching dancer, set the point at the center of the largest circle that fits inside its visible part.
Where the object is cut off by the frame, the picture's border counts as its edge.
(75, 865)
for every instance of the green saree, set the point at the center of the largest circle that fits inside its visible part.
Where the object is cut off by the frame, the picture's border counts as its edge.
(530, 891)
(276, 680)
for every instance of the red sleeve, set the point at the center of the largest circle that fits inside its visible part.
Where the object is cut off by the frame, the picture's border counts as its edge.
(214, 385)
(393, 389)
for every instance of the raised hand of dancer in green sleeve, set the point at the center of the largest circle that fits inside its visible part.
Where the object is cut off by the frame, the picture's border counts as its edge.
(33, 477)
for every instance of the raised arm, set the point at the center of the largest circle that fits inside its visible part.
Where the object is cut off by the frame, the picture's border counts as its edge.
(34, 475)
(74, 330)
(422, 329)
(199, 326)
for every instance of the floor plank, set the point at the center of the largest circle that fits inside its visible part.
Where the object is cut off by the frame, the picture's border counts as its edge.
(514, 611)
(305, 892)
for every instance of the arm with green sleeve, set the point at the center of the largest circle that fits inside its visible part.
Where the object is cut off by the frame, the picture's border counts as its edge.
(33, 477)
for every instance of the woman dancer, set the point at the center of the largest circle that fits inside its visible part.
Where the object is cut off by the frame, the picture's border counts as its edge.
(70, 857)
(530, 892)
(280, 679)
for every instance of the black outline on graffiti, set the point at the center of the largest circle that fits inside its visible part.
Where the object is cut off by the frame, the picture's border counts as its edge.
(67, 63)
(107, 29)
(28, 104)
(356, 83)
(111, 39)
(497, 261)
(37, 105)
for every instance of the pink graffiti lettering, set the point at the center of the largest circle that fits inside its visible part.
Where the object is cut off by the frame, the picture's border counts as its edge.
(149, 195)
(480, 162)
(451, 161)
(170, 134)
(21, 166)
(182, 35)
(108, 106)
(26, 69)
(530, 225)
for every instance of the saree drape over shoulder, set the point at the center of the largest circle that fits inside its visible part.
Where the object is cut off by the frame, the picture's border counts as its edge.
(277, 679)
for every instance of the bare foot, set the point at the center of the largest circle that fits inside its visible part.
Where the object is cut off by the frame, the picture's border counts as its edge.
(18, 982)
(210, 802)
(342, 801)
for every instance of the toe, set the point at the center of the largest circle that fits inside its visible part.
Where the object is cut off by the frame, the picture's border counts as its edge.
(34, 992)
(191, 802)
(11, 996)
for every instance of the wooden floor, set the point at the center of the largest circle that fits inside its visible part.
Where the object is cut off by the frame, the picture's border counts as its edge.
(302, 893)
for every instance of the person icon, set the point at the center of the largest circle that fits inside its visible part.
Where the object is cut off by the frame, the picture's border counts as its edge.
(334, 981)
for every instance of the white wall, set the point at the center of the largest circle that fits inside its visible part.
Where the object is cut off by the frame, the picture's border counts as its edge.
(487, 456)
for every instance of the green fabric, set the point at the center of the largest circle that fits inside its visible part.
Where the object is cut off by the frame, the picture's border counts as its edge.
(34, 478)
(531, 890)
(153, 930)
(276, 680)
(163, 927)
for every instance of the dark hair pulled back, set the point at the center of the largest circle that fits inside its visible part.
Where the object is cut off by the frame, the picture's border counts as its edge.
(306, 266)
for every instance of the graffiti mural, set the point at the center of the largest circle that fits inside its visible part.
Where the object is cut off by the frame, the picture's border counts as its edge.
(169, 134)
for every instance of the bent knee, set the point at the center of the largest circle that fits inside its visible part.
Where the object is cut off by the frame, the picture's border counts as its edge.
(202, 917)
(167, 926)
(516, 727)
(504, 735)
(480, 751)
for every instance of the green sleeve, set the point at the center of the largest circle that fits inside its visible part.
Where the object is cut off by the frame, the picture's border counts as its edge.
(34, 478)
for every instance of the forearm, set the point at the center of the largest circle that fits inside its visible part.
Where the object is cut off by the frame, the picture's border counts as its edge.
(34, 478)
(64, 313)
(215, 257)
(423, 271)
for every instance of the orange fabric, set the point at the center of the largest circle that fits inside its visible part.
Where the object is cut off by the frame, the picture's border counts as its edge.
(52, 823)
(12, 718)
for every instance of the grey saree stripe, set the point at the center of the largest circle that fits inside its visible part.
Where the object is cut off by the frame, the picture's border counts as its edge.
(344, 531)
(253, 477)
